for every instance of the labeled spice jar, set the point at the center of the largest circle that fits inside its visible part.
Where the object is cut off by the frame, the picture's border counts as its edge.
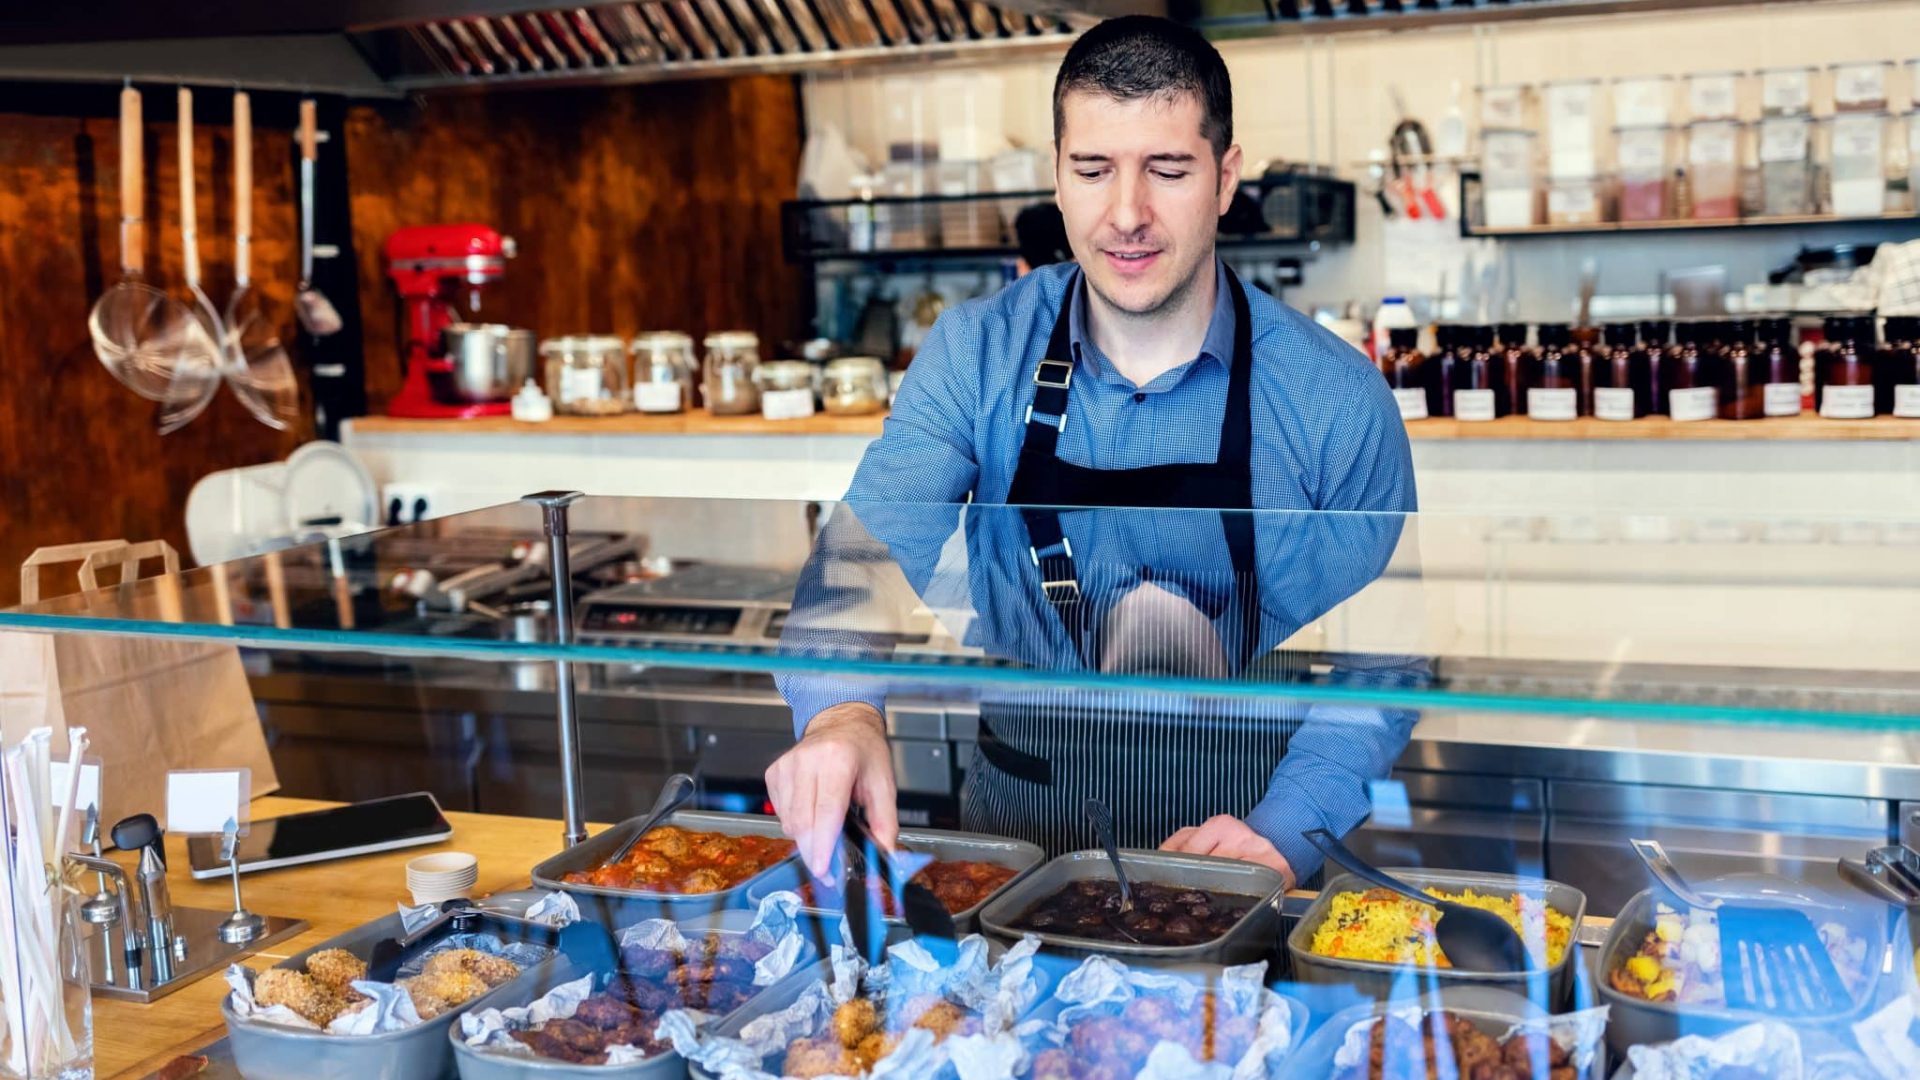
(1645, 158)
(1405, 371)
(786, 389)
(1691, 383)
(1777, 363)
(586, 374)
(1573, 110)
(1713, 169)
(1861, 86)
(855, 385)
(1843, 368)
(1471, 375)
(1656, 338)
(663, 371)
(1858, 163)
(1507, 179)
(1714, 95)
(1786, 165)
(1643, 101)
(728, 387)
(1510, 369)
(1786, 91)
(1897, 374)
(1553, 379)
(1622, 375)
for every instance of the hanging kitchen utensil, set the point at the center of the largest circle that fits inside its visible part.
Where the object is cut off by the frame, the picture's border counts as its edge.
(257, 368)
(196, 370)
(316, 312)
(136, 328)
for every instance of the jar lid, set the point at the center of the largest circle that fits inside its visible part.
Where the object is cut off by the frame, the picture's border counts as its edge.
(655, 340)
(1512, 334)
(1656, 331)
(1849, 327)
(1903, 328)
(600, 342)
(565, 343)
(1553, 334)
(1620, 333)
(733, 339)
(855, 364)
(1404, 337)
(798, 369)
(1774, 329)
(1446, 336)
(1730, 331)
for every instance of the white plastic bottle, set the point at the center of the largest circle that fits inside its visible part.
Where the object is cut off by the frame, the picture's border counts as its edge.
(1393, 314)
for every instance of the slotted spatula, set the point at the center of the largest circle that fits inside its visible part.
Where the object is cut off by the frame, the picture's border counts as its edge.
(1771, 957)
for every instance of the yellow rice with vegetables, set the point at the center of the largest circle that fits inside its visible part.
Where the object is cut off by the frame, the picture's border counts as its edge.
(1384, 926)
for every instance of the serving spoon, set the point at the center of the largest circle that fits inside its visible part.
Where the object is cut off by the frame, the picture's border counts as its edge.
(1472, 938)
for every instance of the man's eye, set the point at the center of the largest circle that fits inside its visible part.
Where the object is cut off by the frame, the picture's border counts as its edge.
(1092, 174)
(1169, 175)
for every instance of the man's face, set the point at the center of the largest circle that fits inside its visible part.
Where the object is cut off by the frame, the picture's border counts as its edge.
(1141, 195)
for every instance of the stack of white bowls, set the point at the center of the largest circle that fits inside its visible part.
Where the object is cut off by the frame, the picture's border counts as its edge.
(445, 875)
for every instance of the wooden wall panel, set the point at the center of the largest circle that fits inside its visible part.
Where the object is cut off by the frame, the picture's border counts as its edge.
(634, 208)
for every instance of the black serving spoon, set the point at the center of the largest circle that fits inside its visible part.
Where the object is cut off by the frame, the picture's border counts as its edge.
(1102, 820)
(925, 915)
(1473, 939)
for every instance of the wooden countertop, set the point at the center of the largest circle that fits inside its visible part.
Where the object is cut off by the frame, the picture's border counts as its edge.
(132, 1040)
(1654, 428)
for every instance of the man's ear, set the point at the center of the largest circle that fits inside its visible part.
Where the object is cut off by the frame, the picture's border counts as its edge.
(1229, 176)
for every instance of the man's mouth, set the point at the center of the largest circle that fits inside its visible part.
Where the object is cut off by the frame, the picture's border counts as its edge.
(1131, 259)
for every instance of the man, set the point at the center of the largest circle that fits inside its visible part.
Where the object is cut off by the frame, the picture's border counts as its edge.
(1144, 376)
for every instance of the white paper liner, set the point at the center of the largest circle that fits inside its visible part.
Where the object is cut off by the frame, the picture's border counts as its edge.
(391, 1008)
(1772, 1050)
(492, 1030)
(1578, 1033)
(997, 991)
(1886, 1038)
(1101, 983)
(555, 909)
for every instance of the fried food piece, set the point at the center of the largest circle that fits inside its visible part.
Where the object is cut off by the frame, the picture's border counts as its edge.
(854, 1021)
(943, 1019)
(452, 985)
(809, 1058)
(300, 992)
(425, 1002)
(872, 1049)
(335, 969)
(488, 968)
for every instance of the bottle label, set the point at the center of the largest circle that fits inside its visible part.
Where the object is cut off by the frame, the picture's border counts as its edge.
(1473, 405)
(1699, 403)
(1782, 399)
(786, 404)
(579, 384)
(657, 397)
(1847, 403)
(1906, 401)
(1560, 404)
(1611, 403)
(1413, 404)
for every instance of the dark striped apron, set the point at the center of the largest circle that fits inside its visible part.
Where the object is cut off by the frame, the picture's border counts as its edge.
(1161, 762)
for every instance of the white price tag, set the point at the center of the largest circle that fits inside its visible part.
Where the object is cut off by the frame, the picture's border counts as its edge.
(1860, 86)
(1572, 200)
(1640, 102)
(1712, 97)
(1781, 399)
(1555, 404)
(786, 404)
(1906, 401)
(1712, 144)
(1413, 403)
(578, 384)
(1473, 405)
(1785, 91)
(1570, 104)
(1611, 403)
(1502, 107)
(657, 397)
(1699, 403)
(1783, 140)
(201, 801)
(1847, 403)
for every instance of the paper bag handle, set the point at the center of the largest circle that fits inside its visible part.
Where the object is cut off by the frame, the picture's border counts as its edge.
(55, 556)
(128, 558)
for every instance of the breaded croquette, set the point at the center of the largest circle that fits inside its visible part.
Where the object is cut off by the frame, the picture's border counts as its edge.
(490, 969)
(336, 968)
(297, 991)
(424, 1003)
(451, 985)
(854, 1021)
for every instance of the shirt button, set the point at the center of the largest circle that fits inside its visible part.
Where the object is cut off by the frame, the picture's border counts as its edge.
(1137, 398)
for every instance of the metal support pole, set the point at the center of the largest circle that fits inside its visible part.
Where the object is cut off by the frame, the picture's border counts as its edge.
(553, 506)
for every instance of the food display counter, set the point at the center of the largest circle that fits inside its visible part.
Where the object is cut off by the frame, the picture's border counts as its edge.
(1499, 707)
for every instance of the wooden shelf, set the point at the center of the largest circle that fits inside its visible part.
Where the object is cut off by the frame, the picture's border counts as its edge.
(1654, 428)
(1688, 225)
(1659, 428)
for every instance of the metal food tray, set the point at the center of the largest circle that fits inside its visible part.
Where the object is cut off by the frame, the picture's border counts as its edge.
(783, 994)
(1492, 1010)
(1248, 940)
(944, 846)
(266, 1051)
(593, 853)
(1636, 1021)
(1378, 978)
(481, 1065)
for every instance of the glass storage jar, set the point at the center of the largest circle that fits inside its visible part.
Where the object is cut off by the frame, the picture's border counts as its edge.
(1577, 202)
(1897, 374)
(1470, 374)
(1645, 159)
(1508, 106)
(1643, 101)
(1622, 376)
(853, 385)
(1553, 380)
(1714, 95)
(1507, 179)
(1786, 91)
(1742, 371)
(1656, 339)
(1510, 369)
(1573, 111)
(1713, 169)
(663, 371)
(1843, 368)
(586, 374)
(1440, 369)
(1786, 165)
(1777, 367)
(786, 389)
(1405, 372)
(1690, 376)
(1861, 86)
(1857, 163)
(728, 388)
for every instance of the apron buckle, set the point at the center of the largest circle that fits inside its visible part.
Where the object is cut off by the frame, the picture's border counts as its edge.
(1065, 591)
(1040, 374)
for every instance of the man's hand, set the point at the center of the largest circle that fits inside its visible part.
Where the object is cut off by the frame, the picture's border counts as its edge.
(1229, 838)
(842, 757)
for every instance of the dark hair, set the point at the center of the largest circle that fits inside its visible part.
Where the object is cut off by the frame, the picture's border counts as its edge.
(1138, 56)
(1041, 234)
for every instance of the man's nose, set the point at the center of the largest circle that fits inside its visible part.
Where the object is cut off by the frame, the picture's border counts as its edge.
(1131, 211)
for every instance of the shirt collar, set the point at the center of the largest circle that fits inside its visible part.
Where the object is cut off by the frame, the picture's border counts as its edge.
(1217, 345)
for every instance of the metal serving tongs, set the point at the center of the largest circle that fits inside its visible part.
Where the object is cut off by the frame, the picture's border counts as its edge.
(674, 794)
(1102, 820)
(926, 916)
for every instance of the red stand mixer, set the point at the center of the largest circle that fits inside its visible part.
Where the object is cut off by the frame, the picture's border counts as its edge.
(431, 265)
